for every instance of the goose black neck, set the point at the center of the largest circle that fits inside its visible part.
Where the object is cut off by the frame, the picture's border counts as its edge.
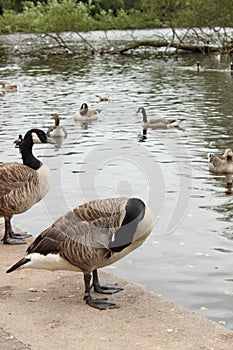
(27, 155)
(57, 121)
(144, 115)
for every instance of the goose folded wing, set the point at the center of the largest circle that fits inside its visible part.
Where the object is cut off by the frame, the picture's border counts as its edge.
(15, 176)
(91, 224)
(218, 160)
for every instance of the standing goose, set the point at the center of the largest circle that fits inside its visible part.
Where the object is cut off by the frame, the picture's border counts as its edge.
(157, 123)
(221, 164)
(92, 235)
(8, 88)
(22, 185)
(56, 130)
(86, 114)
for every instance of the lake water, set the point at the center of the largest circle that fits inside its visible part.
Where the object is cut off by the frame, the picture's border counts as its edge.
(187, 258)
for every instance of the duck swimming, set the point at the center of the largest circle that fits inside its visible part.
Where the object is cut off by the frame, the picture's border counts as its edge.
(104, 97)
(8, 88)
(221, 164)
(56, 130)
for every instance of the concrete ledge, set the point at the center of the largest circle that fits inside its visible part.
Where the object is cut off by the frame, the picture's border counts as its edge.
(43, 310)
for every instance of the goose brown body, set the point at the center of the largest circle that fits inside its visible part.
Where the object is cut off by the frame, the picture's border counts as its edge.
(19, 189)
(92, 235)
(157, 123)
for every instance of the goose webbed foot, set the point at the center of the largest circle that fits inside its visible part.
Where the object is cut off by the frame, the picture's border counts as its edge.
(103, 289)
(11, 237)
(19, 235)
(106, 289)
(100, 303)
(9, 240)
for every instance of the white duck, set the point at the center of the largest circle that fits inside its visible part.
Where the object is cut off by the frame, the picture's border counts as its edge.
(56, 130)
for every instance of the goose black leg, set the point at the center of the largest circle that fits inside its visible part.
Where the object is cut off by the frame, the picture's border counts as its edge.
(102, 303)
(103, 289)
(13, 238)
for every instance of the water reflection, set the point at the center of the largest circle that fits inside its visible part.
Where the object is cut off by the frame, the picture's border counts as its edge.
(115, 156)
(142, 137)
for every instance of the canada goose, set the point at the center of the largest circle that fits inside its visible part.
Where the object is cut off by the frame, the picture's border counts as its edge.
(56, 130)
(8, 88)
(86, 114)
(104, 97)
(22, 185)
(221, 164)
(92, 235)
(157, 123)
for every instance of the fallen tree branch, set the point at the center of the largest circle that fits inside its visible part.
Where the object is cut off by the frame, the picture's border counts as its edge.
(159, 44)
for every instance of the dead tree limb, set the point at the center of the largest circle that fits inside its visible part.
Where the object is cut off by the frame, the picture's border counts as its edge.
(159, 44)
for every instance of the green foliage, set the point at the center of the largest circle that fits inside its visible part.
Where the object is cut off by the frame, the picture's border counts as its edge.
(11, 5)
(56, 16)
(73, 15)
(191, 13)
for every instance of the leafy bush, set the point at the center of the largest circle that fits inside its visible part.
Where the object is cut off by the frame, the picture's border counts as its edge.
(68, 15)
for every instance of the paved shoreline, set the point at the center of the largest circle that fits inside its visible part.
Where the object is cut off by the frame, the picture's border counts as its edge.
(43, 310)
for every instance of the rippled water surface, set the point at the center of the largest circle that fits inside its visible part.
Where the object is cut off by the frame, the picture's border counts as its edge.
(187, 258)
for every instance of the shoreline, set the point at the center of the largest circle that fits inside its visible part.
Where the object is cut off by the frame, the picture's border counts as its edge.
(43, 310)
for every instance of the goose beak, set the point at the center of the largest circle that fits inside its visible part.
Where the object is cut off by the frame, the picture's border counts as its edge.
(49, 140)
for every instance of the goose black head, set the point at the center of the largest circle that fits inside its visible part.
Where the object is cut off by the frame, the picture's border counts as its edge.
(36, 136)
(84, 106)
(140, 109)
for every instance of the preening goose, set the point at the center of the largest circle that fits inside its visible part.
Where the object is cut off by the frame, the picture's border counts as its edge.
(56, 130)
(86, 114)
(22, 185)
(157, 123)
(8, 88)
(221, 164)
(92, 235)
(104, 97)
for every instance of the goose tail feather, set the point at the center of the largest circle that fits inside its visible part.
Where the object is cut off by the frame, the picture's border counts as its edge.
(19, 264)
